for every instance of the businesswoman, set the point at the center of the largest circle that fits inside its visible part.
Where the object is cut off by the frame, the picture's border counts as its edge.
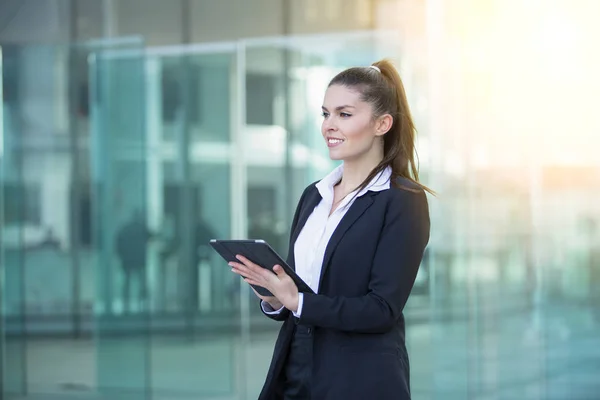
(357, 240)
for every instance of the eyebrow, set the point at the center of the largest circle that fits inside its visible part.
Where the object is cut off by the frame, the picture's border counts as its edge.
(339, 107)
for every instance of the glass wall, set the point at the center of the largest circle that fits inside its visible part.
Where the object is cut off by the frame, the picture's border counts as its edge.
(120, 163)
(48, 253)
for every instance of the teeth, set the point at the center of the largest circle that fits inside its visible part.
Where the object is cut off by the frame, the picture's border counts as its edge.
(335, 141)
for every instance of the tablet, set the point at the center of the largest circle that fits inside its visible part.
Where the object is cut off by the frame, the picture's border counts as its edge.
(260, 253)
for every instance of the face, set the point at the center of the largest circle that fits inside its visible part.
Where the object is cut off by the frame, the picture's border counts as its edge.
(349, 128)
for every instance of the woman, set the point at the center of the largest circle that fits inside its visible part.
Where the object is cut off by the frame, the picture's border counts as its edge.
(357, 239)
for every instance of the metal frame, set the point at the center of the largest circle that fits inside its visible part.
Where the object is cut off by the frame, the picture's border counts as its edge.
(2, 261)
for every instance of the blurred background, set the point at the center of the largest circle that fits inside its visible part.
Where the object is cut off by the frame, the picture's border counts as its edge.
(133, 131)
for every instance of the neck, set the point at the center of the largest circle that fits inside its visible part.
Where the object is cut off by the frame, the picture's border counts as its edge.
(356, 171)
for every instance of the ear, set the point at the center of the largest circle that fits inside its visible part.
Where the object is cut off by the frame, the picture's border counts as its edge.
(383, 124)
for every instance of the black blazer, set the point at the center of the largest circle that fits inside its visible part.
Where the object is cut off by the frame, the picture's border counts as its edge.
(369, 269)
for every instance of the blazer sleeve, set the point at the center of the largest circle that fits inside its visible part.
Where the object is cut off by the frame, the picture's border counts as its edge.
(284, 314)
(402, 241)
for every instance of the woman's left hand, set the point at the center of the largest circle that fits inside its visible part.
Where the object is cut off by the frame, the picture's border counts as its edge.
(278, 283)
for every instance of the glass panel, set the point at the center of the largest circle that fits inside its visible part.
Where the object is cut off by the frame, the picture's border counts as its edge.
(266, 138)
(514, 247)
(12, 311)
(42, 289)
(194, 294)
(120, 221)
(274, 182)
(45, 256)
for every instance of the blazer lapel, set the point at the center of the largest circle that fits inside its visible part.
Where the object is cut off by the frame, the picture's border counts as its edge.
(357, 209)
(312, 200)
(307, 207)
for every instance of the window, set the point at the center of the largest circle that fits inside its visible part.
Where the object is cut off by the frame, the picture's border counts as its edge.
(21, 204)
(260, 93)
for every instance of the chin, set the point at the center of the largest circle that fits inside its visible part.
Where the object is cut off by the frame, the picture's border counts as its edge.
(335, 156)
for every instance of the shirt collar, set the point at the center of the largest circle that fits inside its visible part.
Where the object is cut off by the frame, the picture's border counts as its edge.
(380, 182)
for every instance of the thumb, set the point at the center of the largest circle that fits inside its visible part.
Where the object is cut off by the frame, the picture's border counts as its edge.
(279, 271)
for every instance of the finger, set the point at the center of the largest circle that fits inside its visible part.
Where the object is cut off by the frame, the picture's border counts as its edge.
(265, 273)
(242, 270)
(249, 264)
(241, 267)
(245, 273)
(278, 269)
(238, 266)
(238, 272)
(251, 281)
(245, 261)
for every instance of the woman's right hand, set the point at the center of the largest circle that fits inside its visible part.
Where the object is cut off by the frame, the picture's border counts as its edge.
(272, 300)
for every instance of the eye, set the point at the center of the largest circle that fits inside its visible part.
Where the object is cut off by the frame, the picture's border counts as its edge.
(325, 114)
(345, 115)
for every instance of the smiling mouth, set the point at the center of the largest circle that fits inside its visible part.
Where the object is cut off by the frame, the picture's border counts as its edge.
(331, 142)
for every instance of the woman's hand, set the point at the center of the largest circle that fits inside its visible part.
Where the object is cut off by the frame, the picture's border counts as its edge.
(272, 300)
(279, 283)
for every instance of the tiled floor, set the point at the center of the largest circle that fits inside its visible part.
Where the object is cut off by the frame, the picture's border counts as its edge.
(550, 352)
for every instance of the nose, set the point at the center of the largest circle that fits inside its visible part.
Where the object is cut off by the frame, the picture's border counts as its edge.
(328, 125)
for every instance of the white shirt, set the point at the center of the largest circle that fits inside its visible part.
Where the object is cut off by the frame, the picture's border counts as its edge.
(309, 249)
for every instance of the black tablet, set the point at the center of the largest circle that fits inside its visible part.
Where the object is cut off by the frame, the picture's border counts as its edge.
(260, 253)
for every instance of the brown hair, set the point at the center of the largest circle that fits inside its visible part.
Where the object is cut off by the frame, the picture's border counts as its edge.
(385, 92)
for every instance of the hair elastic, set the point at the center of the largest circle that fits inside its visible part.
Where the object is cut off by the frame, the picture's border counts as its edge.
(375, 68)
